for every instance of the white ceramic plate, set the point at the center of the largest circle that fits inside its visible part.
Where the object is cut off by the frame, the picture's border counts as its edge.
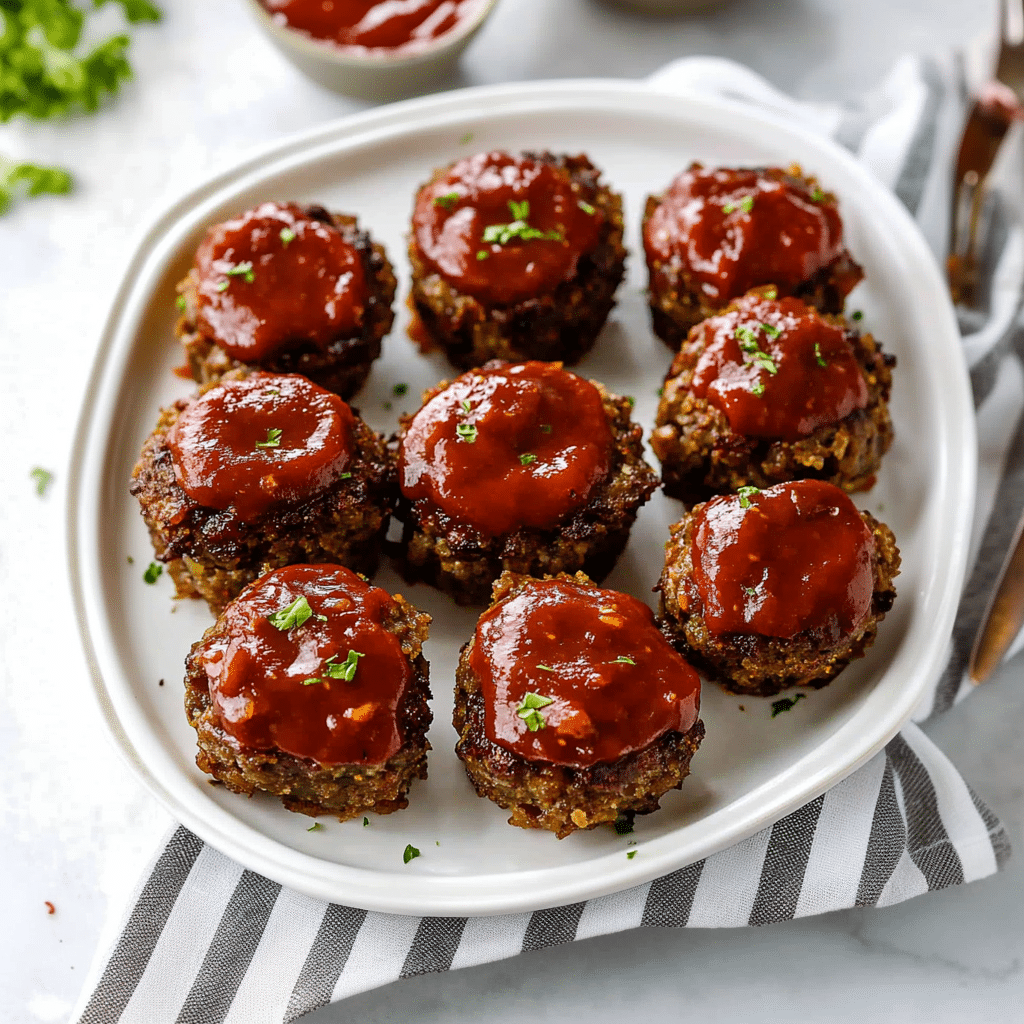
(751, 769)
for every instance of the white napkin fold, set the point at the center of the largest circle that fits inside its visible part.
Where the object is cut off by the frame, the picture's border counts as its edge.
(204, 940)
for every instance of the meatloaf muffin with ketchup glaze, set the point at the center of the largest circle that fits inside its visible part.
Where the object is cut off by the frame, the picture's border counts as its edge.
(784, 587)
(258, 471)
(572, 709)
(716, 233)
(769, 391)
(311, 686)
(288, 289)
(514, 257)
(518, 466)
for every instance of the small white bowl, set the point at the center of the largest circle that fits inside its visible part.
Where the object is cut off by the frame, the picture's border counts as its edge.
(372, 74)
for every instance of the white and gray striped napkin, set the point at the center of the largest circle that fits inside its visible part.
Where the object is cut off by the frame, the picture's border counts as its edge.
(205, 941)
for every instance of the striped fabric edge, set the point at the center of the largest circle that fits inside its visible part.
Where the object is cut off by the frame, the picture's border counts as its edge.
(906, 822)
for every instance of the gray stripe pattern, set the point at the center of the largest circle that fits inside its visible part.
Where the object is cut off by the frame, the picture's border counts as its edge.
(906, 819)
(145, 925)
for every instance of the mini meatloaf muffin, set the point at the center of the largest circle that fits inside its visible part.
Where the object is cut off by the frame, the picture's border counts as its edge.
(311, 686)
(769, 391)
(716, 234)
(517, 466)
(572, 709)
(784, 587)
(515, 257)
(259, 472)
(289, 289)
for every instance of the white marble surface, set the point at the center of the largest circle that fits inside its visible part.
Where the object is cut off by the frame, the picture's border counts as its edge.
(77, 827)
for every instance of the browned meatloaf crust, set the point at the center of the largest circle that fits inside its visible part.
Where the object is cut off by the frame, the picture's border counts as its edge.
(304, 785)
(345, 364)
(560, 326)
(212, 554)
(677, 309)
(700, 454)
(558, 798)
(758, 665)
(456, 559)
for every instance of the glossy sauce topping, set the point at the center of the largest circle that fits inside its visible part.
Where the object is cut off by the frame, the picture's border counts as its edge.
(508, 446)
(275, 278)
(286, 686)
(798, 557)
(730, 230)
(504, 228)
(604, 681)
(405, 25)
(255, 444)
(776, 369)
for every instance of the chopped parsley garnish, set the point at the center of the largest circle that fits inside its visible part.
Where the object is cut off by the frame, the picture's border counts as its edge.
(624, 824)
(411, 853)
(750, 591)
(746, 204)
(757, 388)
(529, 710)
(856, 315)
(748, 344)
(746, 493)
(482, 254)
(630, 400)
(630, 854)
(242, 270)
(27, 179)
(287, 235)
(366, 821)
(448, 200)
(273, 438)
(345, 476)
(466, 432)
(180, 303)
(43, 479)
(818, 357)
(623, 660)
(223, 286)
(273, 391)
(466, 406)
(502, 234)
(527, 459)
(399, 389)
(779, 706)
(315, 827)
(545, 668)
(545, 428)
(586, 207)
(347, 669)
(771, 293)
(771, 330)
(152, 572)
(294, 614)
(817, 195)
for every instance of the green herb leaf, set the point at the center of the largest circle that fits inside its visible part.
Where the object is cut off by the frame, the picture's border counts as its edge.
(287, 236)
(745, 494)
(366, 821)
(545, 668)
(152, 572)
(856, 315)
(771, 293)
(746, 204)
(43, 479)
(399, 389)
(818, 357)
(779, 706)
(630, 854)
(315, 827)
(586, 207)
(520, 210)
(294, 614)
(243, 269)
(623, 660)
(771, 330)
(223, 286)
(529, 710)
(344, 476)
(467, 432)
(273, 438)
(527, 459)
(448, 200)
(466, 406)
(757, 388)
(817, 195)
(180, 303)
(750, 591)
(482, 254)
(411, 853)
(345, 670)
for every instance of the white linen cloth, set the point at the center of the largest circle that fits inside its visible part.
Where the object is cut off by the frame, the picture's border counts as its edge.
(204, 940)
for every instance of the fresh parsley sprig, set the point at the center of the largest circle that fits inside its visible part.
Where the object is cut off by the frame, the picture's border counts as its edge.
(502, 234)
(529, 710)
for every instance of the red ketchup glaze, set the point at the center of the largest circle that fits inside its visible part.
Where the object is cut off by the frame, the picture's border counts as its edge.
(468, 451)
(452, 216)
(223, 451)
(784, 237)
(259, 674)
(603, 707)
(405, 25)
(275, 278)
(798, 558)
(816, 379)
